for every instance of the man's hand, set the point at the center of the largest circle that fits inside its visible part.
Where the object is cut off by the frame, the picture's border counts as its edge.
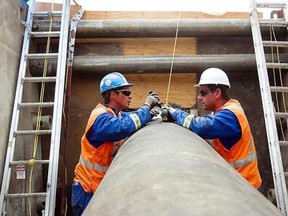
(152, 100)
(167, 112)
(155, 111)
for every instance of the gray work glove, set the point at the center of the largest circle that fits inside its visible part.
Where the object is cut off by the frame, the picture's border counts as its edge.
(167, 112)
(155, 111)
(170, 109)
(152, 100)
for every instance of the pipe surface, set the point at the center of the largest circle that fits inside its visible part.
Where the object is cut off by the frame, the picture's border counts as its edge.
(166, 170)
(162, 64)
(129, 28)
(154, 64)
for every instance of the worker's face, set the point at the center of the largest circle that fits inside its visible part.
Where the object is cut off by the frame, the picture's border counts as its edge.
(123, 98)
(207, 98)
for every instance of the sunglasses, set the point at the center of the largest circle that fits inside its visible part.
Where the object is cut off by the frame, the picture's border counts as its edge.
(125, 92)
(204, 92)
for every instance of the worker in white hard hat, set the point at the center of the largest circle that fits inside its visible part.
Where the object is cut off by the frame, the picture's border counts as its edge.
(107, 127)
(227, 126)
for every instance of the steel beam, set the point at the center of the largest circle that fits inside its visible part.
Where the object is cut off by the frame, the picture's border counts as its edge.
(167, 170)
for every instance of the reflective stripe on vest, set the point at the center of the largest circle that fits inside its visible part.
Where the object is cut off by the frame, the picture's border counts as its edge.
(92, 166)
(187, 121)
(242, 162)
(136, 120)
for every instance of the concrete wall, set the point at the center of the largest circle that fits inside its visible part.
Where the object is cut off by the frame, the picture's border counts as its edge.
(10, 49)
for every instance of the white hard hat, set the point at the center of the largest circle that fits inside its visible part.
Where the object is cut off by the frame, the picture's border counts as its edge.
(213, 76)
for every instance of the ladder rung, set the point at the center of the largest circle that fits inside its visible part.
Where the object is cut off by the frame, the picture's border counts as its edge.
(270, 5)
(15, 163)
(281, 115)
(37, 104)
(24, 195)
(31, 132)
(286, 174)
(275, 43)
(277, 65)
(45, 34)
(47, 13)
(39, 79)
(279, 89)
(42, 55)
(274, 22)
(283, 143)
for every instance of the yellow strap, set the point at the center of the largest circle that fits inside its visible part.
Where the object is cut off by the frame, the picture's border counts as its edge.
(172, 63)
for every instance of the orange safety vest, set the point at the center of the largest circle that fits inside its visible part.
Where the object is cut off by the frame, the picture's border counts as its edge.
(94, 162)
(242, 156)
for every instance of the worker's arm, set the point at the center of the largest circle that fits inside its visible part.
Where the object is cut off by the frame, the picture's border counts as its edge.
(223, 125)
(111, 128)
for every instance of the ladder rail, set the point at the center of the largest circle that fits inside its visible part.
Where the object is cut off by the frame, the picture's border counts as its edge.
(272, 136)
(57, 112)
(15, 112)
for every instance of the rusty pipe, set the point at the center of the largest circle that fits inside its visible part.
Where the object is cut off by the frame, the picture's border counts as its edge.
(130, 28)
(161, 64)
(154, 64)
(164, 169)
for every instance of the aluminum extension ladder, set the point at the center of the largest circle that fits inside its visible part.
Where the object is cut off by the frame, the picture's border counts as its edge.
(271, 76)
(22, 133)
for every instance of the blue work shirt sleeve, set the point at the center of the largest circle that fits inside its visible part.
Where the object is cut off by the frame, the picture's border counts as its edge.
(223, 125)
(112, 128)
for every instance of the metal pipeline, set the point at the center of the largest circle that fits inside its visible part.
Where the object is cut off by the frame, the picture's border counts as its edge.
(154, 64)
(130, 28)
(164, 169)
(162, 64)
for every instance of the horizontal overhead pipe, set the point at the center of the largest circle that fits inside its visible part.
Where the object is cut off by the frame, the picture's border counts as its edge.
(163, 28)
(166, 170)
(160, 64)
(154, 64)
(129, 28)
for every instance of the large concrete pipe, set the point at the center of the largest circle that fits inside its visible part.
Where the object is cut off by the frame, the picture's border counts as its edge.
(166, 170)
(125, 28)
(154, 64)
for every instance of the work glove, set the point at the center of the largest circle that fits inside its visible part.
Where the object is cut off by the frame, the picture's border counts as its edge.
(152, 100)
(155, 111)
(167, 112)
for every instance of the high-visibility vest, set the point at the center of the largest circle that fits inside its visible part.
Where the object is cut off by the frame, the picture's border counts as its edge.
(94, 162)
(242, 156)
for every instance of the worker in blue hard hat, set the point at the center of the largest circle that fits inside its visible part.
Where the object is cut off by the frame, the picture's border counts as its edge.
(227, 126)
(106, 129)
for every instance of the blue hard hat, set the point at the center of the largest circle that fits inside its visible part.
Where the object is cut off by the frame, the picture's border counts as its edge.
(113, 80)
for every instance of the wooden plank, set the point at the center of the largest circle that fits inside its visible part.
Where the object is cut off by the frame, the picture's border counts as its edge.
(137, 46)
(43, 6)
(182, 90)
(159, 15)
